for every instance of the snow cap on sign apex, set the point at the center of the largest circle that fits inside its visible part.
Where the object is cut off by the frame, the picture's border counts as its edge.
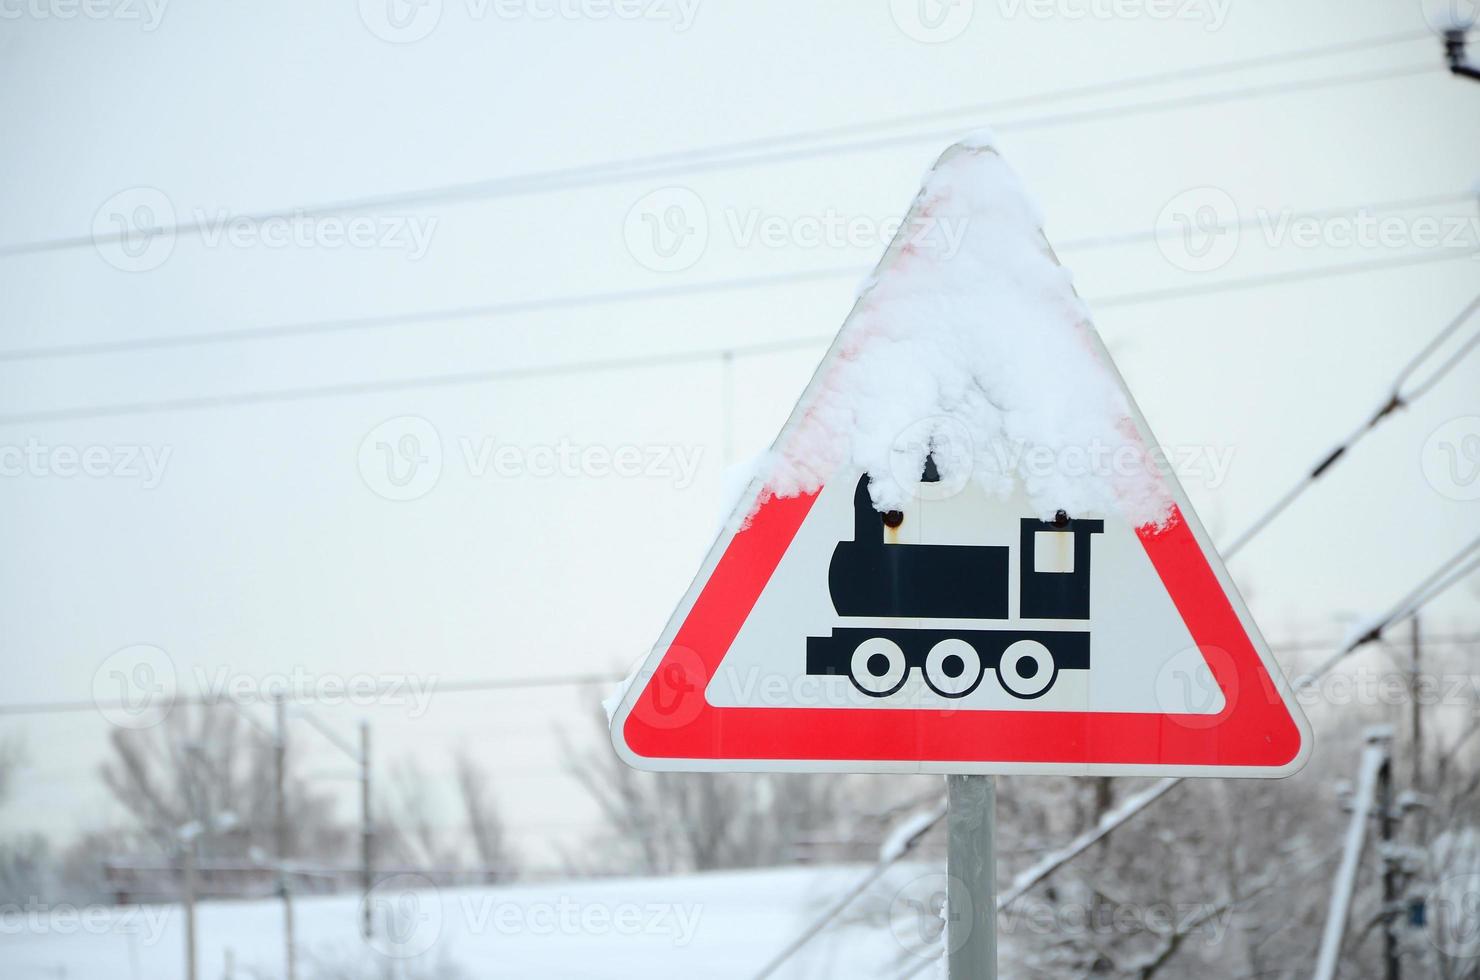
(979, 139)
(969, 343)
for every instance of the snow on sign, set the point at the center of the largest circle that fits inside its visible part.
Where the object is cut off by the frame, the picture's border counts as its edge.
(963, 552)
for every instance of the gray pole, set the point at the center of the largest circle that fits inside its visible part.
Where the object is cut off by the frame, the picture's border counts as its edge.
(971, 867)
(1378, 741)
(188, 856)
(1386, 824)
(366, 829)
(280, 760)
(1416, 709)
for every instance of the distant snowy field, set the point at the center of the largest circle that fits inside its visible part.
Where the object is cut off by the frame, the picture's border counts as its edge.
(709, 925)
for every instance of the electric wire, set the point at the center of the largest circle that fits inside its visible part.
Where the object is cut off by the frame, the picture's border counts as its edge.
(779, 149)
(1395, 399)
(485, 376)
(705, 287)
(1445, 576)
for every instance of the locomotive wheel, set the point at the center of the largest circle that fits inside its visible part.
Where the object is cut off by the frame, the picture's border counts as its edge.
(953, 668)
(1027, 669)
(878, 667)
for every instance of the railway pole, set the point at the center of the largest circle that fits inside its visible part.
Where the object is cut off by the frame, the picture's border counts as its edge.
(971, 870)
(367, 831)
(187, 857)
(280, 827)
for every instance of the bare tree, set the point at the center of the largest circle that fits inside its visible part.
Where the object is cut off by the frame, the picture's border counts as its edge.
(484, 824)
(665, 823)
(444, 824)
(200, 764)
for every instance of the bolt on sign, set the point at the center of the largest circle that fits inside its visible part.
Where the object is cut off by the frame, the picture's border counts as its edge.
(899, 591)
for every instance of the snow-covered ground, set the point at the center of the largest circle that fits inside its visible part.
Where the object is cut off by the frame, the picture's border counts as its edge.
(710, 925)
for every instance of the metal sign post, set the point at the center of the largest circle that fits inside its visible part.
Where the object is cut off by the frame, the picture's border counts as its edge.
(971, 868)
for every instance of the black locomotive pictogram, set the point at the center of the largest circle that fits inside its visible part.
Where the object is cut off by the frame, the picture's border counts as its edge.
(869, 577)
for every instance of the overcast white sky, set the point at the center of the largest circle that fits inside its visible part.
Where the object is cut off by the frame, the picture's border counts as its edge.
(264, 546)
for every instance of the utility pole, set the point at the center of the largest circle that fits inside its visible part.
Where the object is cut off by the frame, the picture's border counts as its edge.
(361, 755)
(280, 764)
(1376, 754)
(187, 856)
(1386, 824)
(971, 870)
(367, 831)
(1416, 709)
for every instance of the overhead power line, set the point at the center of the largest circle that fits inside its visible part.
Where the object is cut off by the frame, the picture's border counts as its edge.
(785, 147)
(486, 684)
(1442, 578)
(595, 365)
(918, 824)
(679, 290)
(204, 700)
(1446, 575)
(1397, 397)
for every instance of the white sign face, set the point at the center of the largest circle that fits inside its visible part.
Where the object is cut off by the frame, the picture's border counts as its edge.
(961, 625)
(1145, 667)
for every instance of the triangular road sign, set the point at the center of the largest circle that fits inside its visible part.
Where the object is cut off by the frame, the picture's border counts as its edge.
(961, 554)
